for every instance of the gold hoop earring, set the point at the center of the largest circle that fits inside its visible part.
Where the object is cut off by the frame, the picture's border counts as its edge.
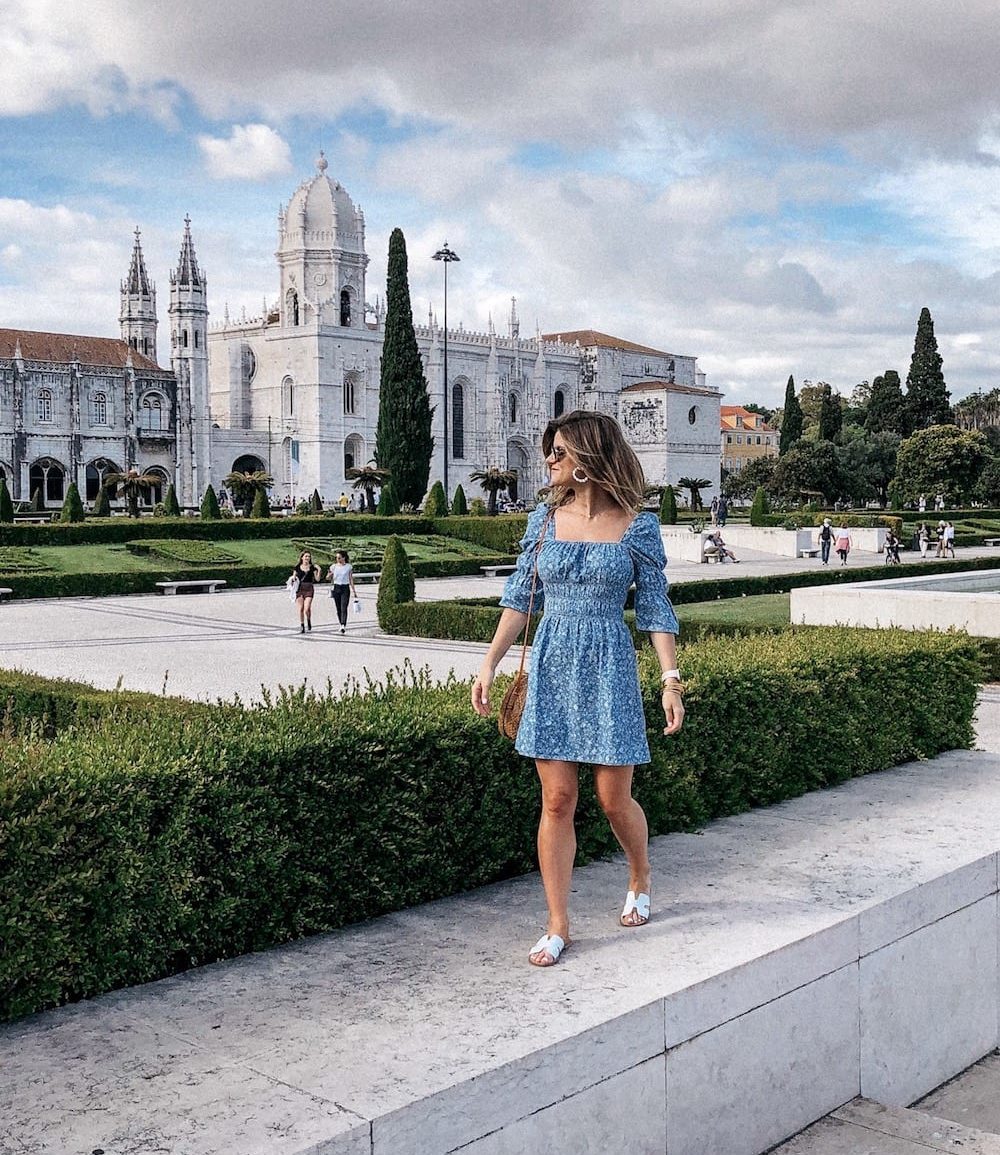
(580, 480)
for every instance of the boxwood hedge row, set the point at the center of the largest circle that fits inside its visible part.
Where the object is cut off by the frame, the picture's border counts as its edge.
(131, 851)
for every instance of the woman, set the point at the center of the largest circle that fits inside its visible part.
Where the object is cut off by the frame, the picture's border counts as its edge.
(924, 537)
(584, 703)
(843, 543)
(342, 575)
(308, 575)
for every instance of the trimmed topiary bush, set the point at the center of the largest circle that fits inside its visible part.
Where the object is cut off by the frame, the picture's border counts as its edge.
(396, 584)
(436, 504)
(72, 509)
(6, 505)
(315, 502)
(261, 506)
(102, 504)
(668, 506)
(170, 502)
(760, 507)
(210, 506)
(477, 508)
(388, 506)
(459, 506)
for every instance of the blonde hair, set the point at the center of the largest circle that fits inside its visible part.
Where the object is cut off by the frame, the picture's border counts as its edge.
(598, 444)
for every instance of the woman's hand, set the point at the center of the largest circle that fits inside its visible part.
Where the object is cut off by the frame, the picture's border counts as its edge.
(481, 692)
(673, 710)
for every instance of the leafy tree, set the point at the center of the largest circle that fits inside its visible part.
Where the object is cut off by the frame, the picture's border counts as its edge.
(791, 419)
(170, 502)
(668, 506)
(767, 414)
(811, 401)
(210, 505)
(760, 507)
(492, 480)
(246, 485)
(403, 441)
(941, 459)
(830, 414)
(926, 393)
(694, 485)
(988, 487)
(459, 506)
(742, 484)
(368, 478)
(978, 411)
(869, 464)
(102, 503)
(436, 504)
(6, 505)
(810, 468)
(396, 584)
(856, 406)
(887, 407)
(261, 506)
(131, 485)
(72, 509)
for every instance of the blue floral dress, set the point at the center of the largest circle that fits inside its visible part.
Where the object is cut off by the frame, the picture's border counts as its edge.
(584, 703)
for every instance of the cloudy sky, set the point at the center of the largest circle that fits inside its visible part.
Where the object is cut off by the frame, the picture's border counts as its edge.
(774, 186)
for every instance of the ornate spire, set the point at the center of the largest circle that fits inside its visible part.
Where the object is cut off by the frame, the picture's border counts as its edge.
(188, 272)
(137, 280)
(515, 324)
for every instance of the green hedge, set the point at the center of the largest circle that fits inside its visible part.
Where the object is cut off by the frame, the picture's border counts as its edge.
(117, 530)
(502, 533)
(131, 852)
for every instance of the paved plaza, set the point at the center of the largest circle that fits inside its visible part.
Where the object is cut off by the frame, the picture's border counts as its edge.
(242, 642)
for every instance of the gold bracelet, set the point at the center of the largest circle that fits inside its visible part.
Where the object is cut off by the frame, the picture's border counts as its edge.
(676, 688)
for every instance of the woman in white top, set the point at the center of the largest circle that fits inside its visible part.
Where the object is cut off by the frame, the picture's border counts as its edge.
(342, 575)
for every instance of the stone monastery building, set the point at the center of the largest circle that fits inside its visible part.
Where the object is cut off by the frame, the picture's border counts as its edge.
(296, 391)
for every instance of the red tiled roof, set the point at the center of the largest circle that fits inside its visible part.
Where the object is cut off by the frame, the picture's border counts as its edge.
(668, 387)
(64, 348)
(728, 415)
(604, 340)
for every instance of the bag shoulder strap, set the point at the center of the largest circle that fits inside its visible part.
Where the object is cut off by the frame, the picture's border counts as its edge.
(534, 582)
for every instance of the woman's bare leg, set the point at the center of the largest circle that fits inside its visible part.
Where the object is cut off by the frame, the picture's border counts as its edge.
(613, 786)
(557, 841)
(307, 606)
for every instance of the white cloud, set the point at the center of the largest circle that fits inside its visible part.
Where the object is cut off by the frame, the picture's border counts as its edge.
(251, 152)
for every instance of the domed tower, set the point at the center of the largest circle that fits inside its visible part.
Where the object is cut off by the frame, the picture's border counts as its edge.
(321, 255)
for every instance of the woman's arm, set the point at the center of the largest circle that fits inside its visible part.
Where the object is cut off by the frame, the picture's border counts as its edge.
(508, 630)
(350, 578)
(665, 646)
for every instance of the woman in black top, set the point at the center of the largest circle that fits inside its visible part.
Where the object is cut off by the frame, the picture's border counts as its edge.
(308, 574)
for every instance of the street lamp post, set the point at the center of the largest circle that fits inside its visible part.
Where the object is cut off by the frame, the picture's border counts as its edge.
(447, 256)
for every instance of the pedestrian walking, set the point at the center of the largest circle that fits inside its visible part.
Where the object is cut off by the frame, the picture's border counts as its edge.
(341, 575)
(308, 574)
(843, 543)
(825, 540)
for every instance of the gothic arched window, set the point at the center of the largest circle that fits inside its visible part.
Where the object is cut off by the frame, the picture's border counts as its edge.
(99, 409)
(151, 413)
(559, 403)
(512, 408)
(457, 420)
(49, 478)
(291, 307)
(348, 395)
(345, 308)
(287, 398)
(44, 411)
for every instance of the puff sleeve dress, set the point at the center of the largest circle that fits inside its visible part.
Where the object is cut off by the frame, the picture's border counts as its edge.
(584, 703)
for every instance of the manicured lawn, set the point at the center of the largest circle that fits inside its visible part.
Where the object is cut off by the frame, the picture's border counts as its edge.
(756, 611)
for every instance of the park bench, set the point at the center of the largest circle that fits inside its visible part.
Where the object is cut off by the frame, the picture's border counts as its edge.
(809, 551)
(191, 586)
(34, 519)
(493, 571)
(5, 593)
(991, 541)
(367, 578)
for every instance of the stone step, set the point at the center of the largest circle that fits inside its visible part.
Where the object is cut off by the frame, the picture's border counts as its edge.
(972, 1099)
(862, 1127)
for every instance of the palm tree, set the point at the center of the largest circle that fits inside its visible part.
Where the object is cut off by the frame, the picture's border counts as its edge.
(131, 485)
(244, 486)
(695, 485)
(493, 480)
(368, 478)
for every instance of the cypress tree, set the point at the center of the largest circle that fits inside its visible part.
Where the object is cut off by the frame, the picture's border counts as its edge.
(760, 507)
(315, 502)
(886, 406)
(830, 414)
(210, 506)
(403, 441)
(72, 509)
(102, 503)
(668, 506)
(791, 421)
(6, 505)
(396, 583)
(927, 397)
(170, 502)
(388, 506)
(261, 507)
(436, 504)
(459, 506)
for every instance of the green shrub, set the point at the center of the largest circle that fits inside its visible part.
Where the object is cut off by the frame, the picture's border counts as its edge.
(210, 505)
(171, 503)
(72, 509)
(396, 584)
(189, 552)
(18, 560)
(459, 506)
(135, 851)
(315, 502)
(6, 505)
(102, 504)
(388, 506)
(759, 508)
(477, 508)
(668, 506)
(502, 533)
(160, 510)
(261, 506)
(436, 503)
